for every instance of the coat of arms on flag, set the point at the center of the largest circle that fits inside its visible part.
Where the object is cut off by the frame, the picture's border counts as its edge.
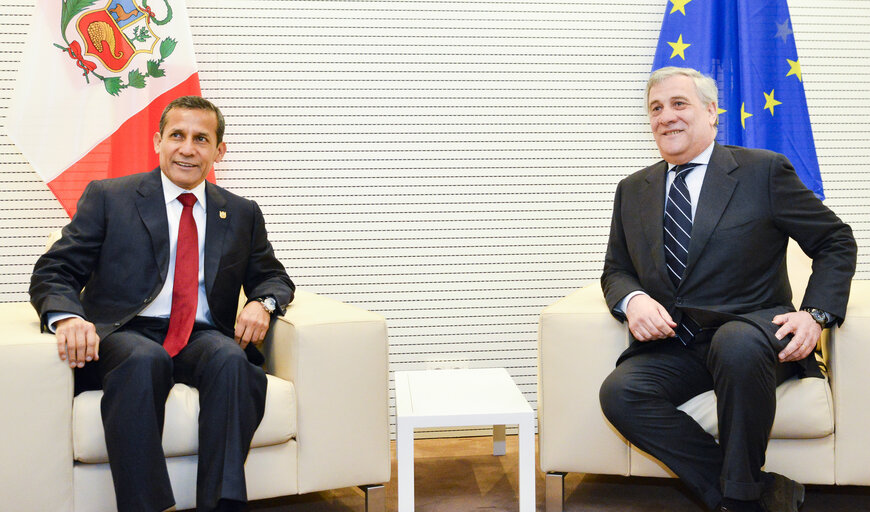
(99, 72)
(110, 37)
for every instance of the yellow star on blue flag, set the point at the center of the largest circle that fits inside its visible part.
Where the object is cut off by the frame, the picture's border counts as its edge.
(748, 47)
(679, 48)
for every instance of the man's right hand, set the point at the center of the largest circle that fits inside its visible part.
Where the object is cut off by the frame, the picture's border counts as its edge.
(648, 320)
(77, 341)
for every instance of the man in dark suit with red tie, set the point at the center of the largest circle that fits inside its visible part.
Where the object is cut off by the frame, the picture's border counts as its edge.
(696, 265)
(142, 289)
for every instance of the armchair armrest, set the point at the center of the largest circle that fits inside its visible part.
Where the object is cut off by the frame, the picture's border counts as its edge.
(578, 344)
(848, 358)
(336, 356)
(35, 424)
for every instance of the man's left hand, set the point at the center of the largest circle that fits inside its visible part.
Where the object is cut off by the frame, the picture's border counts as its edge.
(806, 334)
(252, 324)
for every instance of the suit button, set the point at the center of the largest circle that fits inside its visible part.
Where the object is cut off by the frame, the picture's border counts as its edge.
(679, 301)
(117, 324)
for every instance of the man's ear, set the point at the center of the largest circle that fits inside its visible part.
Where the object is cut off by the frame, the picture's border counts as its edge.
(222, 150)
(157, 139)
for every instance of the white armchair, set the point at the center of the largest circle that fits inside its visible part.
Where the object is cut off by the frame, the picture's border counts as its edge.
(820, 420)
(326, 423)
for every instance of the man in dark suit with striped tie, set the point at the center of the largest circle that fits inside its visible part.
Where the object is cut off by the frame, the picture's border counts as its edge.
(696, 265)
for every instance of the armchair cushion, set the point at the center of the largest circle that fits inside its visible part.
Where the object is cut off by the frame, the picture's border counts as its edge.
(804, 410)
(180, 425)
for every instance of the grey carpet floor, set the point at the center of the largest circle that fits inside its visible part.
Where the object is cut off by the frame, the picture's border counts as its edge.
(461, 474)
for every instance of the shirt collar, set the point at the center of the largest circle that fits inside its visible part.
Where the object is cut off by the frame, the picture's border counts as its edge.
(171, 191)
(702, 159)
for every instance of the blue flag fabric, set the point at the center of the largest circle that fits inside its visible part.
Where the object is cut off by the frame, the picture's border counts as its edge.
(748, 47)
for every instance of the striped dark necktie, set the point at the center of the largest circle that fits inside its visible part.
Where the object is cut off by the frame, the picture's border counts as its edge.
(677, 235)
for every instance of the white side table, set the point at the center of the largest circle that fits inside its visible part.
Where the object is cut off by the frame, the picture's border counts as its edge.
(458, 398)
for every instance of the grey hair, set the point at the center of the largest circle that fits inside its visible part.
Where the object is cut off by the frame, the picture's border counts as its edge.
(705, 86)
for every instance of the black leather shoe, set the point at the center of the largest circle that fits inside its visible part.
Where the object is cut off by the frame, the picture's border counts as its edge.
(782, 494)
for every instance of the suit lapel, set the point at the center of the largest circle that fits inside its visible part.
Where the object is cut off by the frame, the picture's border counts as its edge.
(716, 192)
(216, 224)
(651, 208)
(152, 210)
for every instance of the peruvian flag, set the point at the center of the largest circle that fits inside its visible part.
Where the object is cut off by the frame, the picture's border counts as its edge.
(94, 79)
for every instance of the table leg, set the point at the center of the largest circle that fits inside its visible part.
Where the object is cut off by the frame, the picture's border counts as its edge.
(405, 464)
(498, 440)
(527, 464)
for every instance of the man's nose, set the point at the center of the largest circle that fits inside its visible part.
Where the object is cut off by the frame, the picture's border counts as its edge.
(187, 147)
(667, 116)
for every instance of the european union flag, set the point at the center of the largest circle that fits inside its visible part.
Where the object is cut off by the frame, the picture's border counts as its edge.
(748, 47)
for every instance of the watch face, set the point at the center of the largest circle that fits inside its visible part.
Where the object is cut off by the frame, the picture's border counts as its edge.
(818, 316)
(269, 303)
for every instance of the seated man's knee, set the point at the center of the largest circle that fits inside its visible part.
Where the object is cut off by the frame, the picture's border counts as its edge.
(615, 399)
(740, 346)
(227, 354)
(136, 361)
(149, 357)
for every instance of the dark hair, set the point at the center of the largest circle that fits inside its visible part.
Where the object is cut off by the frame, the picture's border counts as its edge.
(195, 103)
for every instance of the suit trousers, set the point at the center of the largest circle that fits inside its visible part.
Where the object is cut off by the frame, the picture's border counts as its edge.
(640, 398)
(137, 374)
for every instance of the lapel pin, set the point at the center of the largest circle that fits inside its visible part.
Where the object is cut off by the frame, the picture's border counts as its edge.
(222, 214)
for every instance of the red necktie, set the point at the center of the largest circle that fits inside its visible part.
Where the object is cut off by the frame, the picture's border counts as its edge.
(185, 287)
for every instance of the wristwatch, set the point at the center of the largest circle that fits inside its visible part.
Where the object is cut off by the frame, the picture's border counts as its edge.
(269, 304)
(821, 317)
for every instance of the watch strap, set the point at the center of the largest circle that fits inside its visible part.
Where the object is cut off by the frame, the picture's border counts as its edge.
(822, 317)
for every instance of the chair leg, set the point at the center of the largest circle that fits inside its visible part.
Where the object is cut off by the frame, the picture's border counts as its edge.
(555, 491)
(376, 498)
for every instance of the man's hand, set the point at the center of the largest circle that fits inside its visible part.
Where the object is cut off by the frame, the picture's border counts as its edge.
(648, 320)
(252, 324)
(806, 334)
(77, 341)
